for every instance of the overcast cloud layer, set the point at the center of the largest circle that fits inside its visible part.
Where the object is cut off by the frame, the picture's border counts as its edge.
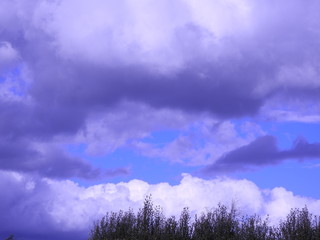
(105, 75)
(65, 67)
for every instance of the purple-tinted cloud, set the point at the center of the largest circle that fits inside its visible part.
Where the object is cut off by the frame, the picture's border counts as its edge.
(86, 72)
(195, 60)
(39, 208)
(49, 161)
(27, 205)
(262, 152)
(202, 143)
(201, 84)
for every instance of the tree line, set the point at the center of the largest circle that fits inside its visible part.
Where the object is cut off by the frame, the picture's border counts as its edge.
(220, 223)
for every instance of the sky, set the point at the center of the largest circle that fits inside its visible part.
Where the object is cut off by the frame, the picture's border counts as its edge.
(196, 102)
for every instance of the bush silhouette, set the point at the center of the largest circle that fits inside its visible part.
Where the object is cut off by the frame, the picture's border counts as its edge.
(11, 237)
(149, 223)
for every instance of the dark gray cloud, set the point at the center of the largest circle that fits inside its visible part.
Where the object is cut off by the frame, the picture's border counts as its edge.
(49, 161)
(25, 144)
(104, 88)
(190, 60)
(262, 152)
(28, 205)
(224, 86)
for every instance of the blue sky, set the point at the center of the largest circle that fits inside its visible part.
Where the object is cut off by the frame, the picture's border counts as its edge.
(296, 176)
(197, 102)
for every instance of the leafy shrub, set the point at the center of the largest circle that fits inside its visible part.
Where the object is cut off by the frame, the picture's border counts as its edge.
(218, 224)
(300, 224)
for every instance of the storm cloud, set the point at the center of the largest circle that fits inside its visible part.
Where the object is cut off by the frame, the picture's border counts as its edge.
(69, 63)
(262, 152)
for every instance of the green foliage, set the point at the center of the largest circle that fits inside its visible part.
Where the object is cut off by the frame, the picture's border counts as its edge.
(300, 224)
(218, 224)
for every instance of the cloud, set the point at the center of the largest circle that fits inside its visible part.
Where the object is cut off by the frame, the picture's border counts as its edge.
(146, 33)
(104, 132)
(291, 109)
(202, 142)
(108, 73)
(261, 152)
(84, 61)
(293, 116)
(66, 210)
(9, 57)
(27, 144)
(50, 161)
(208, 57)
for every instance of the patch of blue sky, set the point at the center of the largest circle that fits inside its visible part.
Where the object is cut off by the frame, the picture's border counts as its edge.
(285, 132)
(76, 149)
(243, 132)
(293, 175)
(15, 71)
(2, 79)
(19, 86)
(238, 123)
(151, 170)
(310, 131)
(299, 177)
(195, 135)
(288, 132)
(160, 138)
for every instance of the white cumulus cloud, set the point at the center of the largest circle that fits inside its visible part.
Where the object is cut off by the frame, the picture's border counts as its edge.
(66, 206)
